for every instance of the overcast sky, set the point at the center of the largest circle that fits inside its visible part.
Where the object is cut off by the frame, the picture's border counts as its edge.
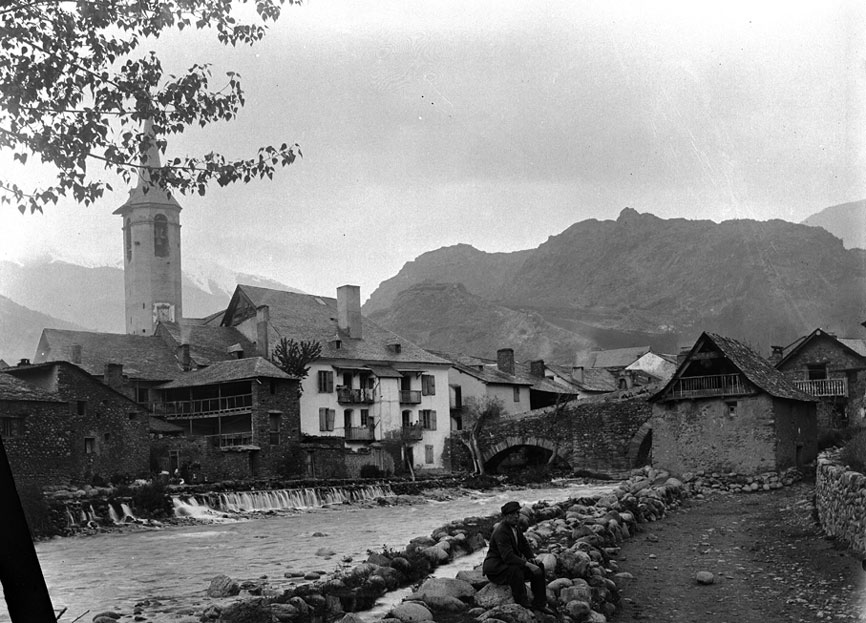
(501, 123)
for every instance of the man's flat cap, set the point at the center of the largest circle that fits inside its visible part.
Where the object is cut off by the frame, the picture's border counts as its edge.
(510, 507)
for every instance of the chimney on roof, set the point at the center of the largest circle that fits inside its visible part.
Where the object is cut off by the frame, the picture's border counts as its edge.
(777, 354)
(24, 362)
(263, 319)
(349, 310)
(113, 375)
(183, 357)
(505, 360)
(577, 373)
(76, 353)
(536, 368)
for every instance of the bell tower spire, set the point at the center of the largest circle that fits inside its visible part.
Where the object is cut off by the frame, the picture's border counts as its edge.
(151, 250)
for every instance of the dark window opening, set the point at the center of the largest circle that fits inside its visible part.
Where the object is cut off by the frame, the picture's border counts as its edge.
(81, 407)
(160, 235)
(89, 445)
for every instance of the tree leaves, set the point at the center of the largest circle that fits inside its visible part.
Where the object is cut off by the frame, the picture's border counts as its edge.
(295, 357)
(75, 90)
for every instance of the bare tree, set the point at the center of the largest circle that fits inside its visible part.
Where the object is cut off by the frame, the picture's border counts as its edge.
(478, 413)
(295, 357)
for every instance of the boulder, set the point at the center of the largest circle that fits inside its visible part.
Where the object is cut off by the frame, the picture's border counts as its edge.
(704, 577)
(101, 618)
(445, 587)
(558, 584)
(284, 612)
(411, 612)
(223, 586)
(578, 610)
(444, 603)
(474, 576)
(510, 613)
(107, 614)
(300, 605)
(351, 617)
(435, 554)
(250, 611)
(549, 562)
(494, 595)
(577, 592)
(325, 551)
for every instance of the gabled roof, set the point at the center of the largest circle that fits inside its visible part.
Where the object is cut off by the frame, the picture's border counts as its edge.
(208, 343)
(143, 357)
(755, 368)
(484, 370)
(227, 371)
(597, 380)
(857, 347)
(614, 358)
(305, 317)
(12, 388)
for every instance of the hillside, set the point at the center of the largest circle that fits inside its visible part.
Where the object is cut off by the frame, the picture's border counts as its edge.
(21, 330)
(466, 323)
(846, 221)
(642, 279)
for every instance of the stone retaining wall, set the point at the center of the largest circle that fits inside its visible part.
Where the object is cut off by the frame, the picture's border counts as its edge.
(840, 497)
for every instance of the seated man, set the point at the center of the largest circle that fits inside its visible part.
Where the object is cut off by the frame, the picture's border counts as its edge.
(510, 560)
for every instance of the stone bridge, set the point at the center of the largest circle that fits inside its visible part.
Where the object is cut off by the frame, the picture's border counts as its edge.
(598, 438)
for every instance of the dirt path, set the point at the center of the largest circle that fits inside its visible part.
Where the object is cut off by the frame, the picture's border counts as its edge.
(769, 560)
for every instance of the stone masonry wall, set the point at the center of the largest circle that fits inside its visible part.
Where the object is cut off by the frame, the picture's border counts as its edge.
(39, 449)
(840, 497)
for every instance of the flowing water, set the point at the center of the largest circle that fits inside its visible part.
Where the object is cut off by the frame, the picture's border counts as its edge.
(173, 565)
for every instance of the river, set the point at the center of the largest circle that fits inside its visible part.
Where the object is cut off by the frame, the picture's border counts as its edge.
(173, 565)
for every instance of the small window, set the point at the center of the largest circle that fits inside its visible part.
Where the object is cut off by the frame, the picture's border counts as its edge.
(326, 381)
(347, 419)
(428, 385)
(8, 427)
(365, 417)
(326, 419)
(516, 393)
(273, 386)
(731, 407)
(89, 445)
(274, 423)
(407, 418)
(428, 419)
(106, 437)
(142, 395)
(816, 371)
(81, 407)
(428, 454)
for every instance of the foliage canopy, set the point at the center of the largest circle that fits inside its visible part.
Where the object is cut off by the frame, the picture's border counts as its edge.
(76, 88)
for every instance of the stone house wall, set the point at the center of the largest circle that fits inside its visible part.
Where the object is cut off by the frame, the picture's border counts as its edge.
(840, 497)
(39, 448)
(106, 433)
(841, 364)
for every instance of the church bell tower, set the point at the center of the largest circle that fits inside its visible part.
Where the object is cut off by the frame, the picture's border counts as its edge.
(151, 253)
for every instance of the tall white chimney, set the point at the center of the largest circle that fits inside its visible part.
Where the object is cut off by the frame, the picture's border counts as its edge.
(349, 310)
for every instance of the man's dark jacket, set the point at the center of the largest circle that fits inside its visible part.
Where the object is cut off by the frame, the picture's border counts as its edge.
(506, 549)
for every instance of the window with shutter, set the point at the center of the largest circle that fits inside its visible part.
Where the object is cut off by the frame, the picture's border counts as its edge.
(332, 415)
(326, 382)
(323, 418)
(428, 454)
(433, 419)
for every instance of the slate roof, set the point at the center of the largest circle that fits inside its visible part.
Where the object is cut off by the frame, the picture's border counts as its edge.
(208, 343)
(614, 358)
(855, 345)
(12, 388)
(597, 380)
(305, 317)
(158, 425)
(144, 357)
(227, 371)
(755, 368)
(487, 371)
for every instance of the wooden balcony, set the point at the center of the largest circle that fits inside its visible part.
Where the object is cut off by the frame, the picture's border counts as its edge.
(413, 432)
(710, 386)
(410, 397)
(347, 396)
(824, 388)
(359, 433)
(207, 407)
(232, 440)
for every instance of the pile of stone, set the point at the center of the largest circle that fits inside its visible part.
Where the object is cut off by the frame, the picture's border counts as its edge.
(577, 541)
(703, 482)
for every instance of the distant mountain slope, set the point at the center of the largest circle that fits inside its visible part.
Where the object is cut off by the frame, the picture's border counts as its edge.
(846, 221)
(658, 281)
(447, 318)
(21, 328)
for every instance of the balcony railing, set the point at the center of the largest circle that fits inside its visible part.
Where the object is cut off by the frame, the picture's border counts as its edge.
(207, 407)
(231, 440)
(359, 433)
(354, 396)
(410, 397)
(824, 387)
(413, 432)
(706, 386)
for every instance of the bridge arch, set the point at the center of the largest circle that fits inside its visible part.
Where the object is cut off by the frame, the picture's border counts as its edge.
(639, 451)
(493, 455)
